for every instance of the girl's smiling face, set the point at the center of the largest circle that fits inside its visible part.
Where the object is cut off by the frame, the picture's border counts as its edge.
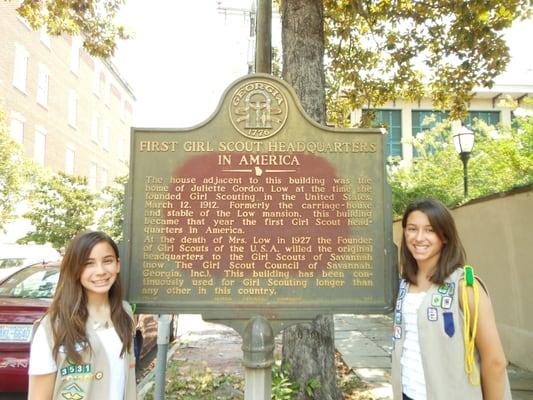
(422, 241)
(101, 270)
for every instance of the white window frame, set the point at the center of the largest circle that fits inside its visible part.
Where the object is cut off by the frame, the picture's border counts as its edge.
(70, 159)
(104, 177)
(107, 90)
(93, 171)
(106, 132)
(20, 67)
(39, 145)
(45, 37)
(43, 81)
(72, 108)
(96, 77)
(95, 127)
(16, 130)
(75, 54)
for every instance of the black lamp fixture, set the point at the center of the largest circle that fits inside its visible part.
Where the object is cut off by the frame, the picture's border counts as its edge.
(463, 139)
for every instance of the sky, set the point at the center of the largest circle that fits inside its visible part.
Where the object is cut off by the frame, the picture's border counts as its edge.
(186, 53)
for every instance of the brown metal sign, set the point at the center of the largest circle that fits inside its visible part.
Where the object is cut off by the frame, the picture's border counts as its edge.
(259, 210)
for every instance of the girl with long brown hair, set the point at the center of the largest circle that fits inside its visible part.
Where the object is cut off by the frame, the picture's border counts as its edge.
(83, 347)
(445, 343)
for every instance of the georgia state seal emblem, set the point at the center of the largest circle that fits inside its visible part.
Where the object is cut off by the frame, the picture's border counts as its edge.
(257, 109)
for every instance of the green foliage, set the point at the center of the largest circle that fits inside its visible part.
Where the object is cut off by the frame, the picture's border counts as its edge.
(16, 173)
(282, 386)
(381, 50)
(502, 159)
(61, 206)
(311, 387)
(93, 20)
(112, 203)
(188, 384)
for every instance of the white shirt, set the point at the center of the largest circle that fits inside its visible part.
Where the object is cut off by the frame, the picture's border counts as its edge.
(413, 379)
(42, 362)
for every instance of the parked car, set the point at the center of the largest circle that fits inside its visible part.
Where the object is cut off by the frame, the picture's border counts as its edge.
(24, 297)
(15, 256)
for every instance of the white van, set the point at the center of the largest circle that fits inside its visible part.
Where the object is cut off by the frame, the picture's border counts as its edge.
(15, 256)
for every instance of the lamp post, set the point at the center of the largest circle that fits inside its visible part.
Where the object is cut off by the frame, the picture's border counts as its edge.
(463, 139)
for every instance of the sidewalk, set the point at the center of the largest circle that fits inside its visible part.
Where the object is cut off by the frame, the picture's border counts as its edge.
(363, 340)
(365, 344)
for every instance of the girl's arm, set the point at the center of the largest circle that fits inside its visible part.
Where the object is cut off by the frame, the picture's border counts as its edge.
(41, 387)
(492, 357)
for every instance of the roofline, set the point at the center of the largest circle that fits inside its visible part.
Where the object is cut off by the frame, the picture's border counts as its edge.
(116, 73)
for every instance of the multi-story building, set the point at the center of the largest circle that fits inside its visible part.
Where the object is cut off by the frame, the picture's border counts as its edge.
(70, 111)
(405, 119)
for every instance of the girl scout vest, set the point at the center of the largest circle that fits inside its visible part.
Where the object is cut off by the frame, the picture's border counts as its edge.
(440, 333)
(90, 380)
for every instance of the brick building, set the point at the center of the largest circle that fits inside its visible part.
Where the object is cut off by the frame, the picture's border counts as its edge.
(70, 111)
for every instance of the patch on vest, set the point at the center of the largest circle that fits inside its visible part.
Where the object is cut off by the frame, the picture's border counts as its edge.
(78, 347)
(398, 318)
(447, 302)
(449, 326)
(75, 369)
(433, 314)
(397, 332)
(72, 392)
(436, 300)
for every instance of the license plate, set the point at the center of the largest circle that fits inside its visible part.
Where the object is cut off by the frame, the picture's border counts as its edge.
(15, 333)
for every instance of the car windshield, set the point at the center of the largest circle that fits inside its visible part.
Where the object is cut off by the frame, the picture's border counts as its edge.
(35, 282)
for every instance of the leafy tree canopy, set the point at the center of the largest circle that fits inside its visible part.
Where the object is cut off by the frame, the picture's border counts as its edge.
(381, 50)
(16, 172)
(112, 203)
(92, 19)
(61, 206)
(502, 159)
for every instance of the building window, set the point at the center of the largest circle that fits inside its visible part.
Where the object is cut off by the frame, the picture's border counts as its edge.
(392, 121)
(72, 108)
(70, 156)
(17, 127)
(104, 177)
(96, 78)
(95, 127)
(123, 110)
(39, 148)
(105, 135)
(75, 54)
(425, 120)
(120, 149)
(42, 85)
(20, 68)
(44, 37)
(92, 175)
(107, 92)
(489, 117)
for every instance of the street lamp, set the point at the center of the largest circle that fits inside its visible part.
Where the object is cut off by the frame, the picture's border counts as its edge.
(463, 139)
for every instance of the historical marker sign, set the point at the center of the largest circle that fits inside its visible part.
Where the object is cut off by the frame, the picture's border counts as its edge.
(259, 210)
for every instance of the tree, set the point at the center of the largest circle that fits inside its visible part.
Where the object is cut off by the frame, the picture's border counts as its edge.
(502, 159)
(308, 349)
(112, 202)
(385, 49)
(62, 206)
(16, 172)
(93, 20)
(381, 50)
